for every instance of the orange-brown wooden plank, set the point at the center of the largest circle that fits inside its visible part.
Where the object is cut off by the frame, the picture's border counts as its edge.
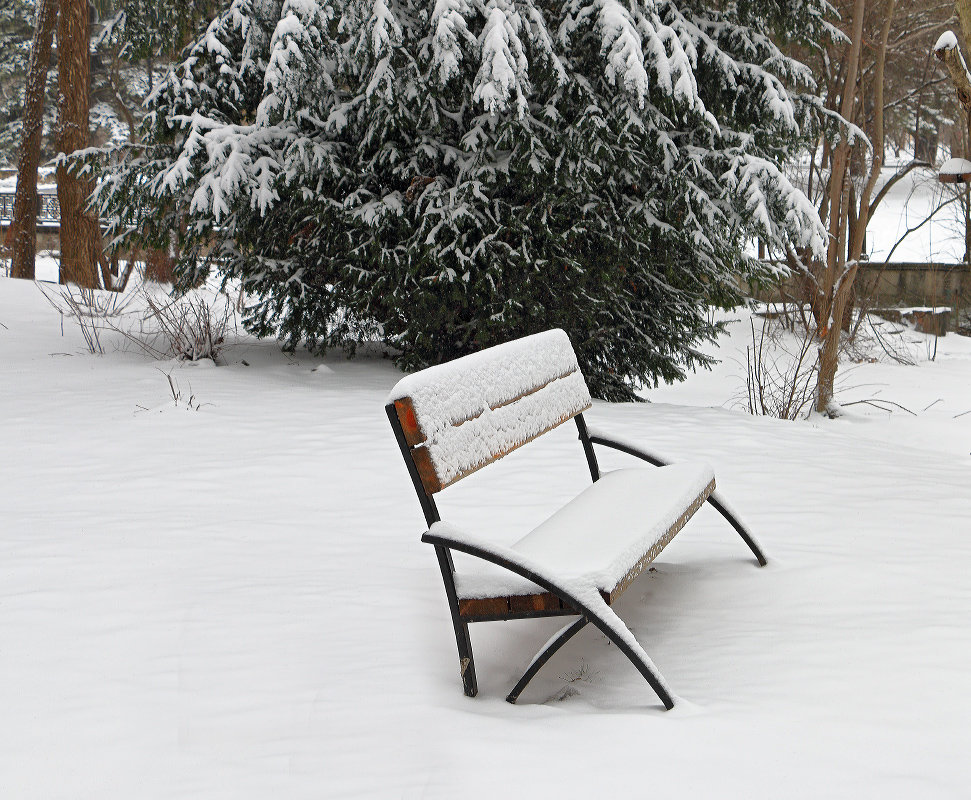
(426, 470)
(415, 434)
(416, 437)
(534, 602)
(484, 607)
(410, 426)
(439, 484)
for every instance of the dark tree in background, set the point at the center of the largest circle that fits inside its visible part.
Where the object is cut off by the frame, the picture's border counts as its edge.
(23, 230)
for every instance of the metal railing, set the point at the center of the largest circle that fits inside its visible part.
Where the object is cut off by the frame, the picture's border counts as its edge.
(48, 208)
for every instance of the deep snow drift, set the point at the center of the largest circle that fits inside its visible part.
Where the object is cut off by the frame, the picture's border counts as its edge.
(233, 602)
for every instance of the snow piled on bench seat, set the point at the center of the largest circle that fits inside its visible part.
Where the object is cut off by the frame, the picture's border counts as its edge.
(485, 580)
(483, 405)
(608, 528)
(603, 533)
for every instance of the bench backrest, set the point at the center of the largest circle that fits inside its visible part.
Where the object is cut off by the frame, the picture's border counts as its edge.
(462, 415)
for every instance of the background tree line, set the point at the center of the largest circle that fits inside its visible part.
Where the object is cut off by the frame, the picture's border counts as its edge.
(103, 57)
(875, 87)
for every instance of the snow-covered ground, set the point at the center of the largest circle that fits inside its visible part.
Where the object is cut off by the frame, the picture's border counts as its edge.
(228, 598)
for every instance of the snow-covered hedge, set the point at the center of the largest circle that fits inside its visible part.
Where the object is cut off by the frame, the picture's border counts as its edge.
(453, 174)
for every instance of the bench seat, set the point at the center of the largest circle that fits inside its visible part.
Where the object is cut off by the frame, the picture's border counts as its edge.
(606, 537)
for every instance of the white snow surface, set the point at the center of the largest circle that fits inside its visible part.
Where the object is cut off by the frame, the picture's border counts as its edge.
(234, 602)
(946, 41)
(955, 166)
(495, 391)
(899, 230)
(601, 534)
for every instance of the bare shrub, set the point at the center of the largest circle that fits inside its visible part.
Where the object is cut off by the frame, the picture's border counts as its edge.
(93, 310)
(877, 339)
(780, 371)
(179, 398)
(190, 328)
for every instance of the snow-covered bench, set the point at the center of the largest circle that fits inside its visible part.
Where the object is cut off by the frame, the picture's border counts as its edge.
(456, 418)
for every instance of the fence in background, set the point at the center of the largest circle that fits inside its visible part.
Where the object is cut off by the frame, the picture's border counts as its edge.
(48, 209)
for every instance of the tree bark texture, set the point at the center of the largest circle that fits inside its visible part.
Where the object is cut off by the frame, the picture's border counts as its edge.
(848, 234)
(80, 233)
(963, 9)
(838, 202)
(23, 229)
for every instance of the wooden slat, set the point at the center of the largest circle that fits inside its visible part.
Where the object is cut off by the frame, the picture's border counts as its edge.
(484, 607)
(434, 484)
(412, 429)
(535, 602)
(426, 470)
(416, 436)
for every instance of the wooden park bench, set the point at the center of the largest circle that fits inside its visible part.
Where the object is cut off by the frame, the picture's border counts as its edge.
(453, 419)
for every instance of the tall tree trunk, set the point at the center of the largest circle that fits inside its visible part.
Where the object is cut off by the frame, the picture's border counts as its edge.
(832, 281)
(23, 232)
(846, 246)
(79, 227)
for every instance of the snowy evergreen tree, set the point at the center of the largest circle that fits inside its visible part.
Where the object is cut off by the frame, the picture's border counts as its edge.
(453, 174)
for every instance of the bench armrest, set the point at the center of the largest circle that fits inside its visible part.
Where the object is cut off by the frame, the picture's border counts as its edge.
(601, 437)
(445, 535)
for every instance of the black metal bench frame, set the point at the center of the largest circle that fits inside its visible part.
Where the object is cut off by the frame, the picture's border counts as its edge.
(587, 611)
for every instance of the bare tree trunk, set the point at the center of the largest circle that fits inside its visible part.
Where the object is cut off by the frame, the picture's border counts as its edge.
(23, 230)
(963, 8)
(957, 68)
(830, 332)
(80, 233)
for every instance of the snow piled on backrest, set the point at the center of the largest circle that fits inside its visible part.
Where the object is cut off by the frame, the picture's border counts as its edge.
(483, 405)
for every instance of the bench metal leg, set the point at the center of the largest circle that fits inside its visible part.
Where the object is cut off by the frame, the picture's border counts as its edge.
(462, 640)
(720, 505)
(559, 639)
(466, 662)
(610, 624)
(587, 601)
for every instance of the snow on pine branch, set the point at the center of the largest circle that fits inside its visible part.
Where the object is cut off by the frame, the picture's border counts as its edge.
(503, 73)
(743, 57)
(853, 133)
(449, 31)
(382, 32)
(240, 159)
(294, 58)
(762, 185)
